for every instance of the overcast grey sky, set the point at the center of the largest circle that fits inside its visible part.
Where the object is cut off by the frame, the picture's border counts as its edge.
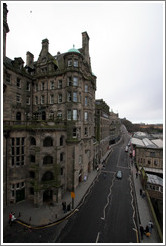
(126, 47)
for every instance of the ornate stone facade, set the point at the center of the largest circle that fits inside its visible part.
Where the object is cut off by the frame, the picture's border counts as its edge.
(48, 118)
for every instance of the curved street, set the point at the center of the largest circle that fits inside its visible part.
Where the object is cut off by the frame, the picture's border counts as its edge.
(107, 214)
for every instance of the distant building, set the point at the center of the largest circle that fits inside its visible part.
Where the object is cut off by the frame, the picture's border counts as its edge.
(154, 186)
(107, 128)
(148, 158)
(102, 125)
(115, 125)
(148, 154)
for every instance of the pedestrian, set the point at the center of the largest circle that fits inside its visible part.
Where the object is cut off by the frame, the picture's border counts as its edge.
(13, 218)
(147, 231)
(140, 192)
(141, 231)
(10, 218)
(150, 225)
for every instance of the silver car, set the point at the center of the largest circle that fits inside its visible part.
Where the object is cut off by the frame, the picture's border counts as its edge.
(119, 175)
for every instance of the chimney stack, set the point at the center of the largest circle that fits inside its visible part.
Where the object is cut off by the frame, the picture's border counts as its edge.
(45, 44)
(29, 59)
(85, 46)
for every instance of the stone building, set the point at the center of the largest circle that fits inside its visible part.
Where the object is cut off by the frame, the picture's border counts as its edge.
(148, 155)
(48, 120)
(102, 128)
(115, 127)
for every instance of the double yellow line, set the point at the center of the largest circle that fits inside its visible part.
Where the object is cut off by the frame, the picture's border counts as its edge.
(49, 225)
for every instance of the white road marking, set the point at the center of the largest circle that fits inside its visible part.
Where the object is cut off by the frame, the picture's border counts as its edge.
(98, 235)
(103, 218)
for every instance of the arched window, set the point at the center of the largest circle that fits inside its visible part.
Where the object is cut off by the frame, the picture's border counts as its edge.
(47, 160)
(48, 176)
(32, 141)
(48, 142)
(18, 116)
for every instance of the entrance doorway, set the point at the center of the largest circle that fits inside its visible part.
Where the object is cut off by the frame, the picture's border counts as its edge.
(47, 196)
(20, 195)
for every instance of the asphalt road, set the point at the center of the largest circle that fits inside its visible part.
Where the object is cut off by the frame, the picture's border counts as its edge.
(107, 215)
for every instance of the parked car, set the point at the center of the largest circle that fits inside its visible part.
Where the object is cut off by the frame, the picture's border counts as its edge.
(126, 149)
(119, 174)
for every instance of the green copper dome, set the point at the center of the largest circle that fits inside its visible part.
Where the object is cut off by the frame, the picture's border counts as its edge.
(74, 50)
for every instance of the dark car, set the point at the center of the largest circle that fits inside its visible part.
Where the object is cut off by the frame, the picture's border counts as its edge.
(119, 175)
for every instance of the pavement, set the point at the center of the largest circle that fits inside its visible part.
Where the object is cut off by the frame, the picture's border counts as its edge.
(31, 216)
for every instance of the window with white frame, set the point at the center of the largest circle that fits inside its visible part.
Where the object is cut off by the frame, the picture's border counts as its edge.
(60, 84)
(69, 62)
(51, 99)
(74, 96)
(42, 99)
(86, 116)
(86, 131)
(59, 98)
(86, 88)
(17, 151)
(69, 96)
(86, 101)
(52, 85)
(75, 81)
(69, 81)
(75, 115)
(74, 132)
(75, 63)
(28, 100)
(69, 114)
(59, 114)
(18, 98)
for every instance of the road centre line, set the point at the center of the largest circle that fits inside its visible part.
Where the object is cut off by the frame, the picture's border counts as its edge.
(103, 218)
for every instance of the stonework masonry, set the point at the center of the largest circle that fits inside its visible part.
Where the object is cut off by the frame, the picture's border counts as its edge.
(49, 123)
